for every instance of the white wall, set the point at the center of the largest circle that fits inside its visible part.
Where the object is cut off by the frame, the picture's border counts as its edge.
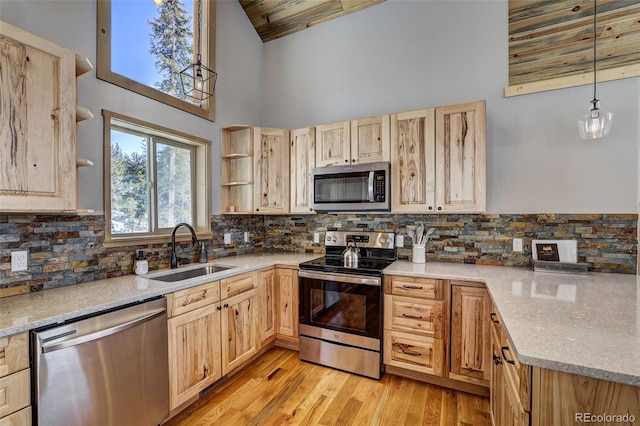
(406, 54)
(239, 63)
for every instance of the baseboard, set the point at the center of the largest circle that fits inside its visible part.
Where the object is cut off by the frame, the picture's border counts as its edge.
(440, 381)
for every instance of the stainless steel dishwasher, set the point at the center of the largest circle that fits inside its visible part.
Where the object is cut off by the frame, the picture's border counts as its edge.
(109, 369)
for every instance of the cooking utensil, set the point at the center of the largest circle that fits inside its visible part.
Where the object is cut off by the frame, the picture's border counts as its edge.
(411, 232)
(429, 233)
(419, 233)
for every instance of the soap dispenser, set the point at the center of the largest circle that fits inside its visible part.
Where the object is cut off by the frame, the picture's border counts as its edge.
(204, 257)
(142, 266)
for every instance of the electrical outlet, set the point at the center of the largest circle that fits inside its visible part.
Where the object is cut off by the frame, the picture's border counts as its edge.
(517, 244)
(399, 240)
(246, 237)
(19, 260)
(316, 237)
(227, 238)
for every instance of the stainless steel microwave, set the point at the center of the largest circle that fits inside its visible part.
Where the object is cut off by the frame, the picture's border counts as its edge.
(360, 187)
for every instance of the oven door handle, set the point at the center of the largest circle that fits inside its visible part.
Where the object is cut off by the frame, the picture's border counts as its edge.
(341, 278)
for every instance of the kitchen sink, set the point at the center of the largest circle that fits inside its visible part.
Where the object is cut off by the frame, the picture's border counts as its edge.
(191, 273)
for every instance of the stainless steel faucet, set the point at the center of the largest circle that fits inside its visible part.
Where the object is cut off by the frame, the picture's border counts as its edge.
(194, 240)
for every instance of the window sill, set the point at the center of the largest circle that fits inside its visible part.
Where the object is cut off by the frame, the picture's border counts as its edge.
(153, 239)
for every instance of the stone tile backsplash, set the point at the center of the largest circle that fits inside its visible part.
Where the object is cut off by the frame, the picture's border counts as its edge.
(68, 249)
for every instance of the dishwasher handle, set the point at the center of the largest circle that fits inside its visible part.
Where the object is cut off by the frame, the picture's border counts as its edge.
(50, 347)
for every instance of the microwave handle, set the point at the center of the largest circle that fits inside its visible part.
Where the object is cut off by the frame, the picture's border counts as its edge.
(371, 180)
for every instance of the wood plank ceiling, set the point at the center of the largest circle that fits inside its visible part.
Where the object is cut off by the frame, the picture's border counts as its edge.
(554, 39)
(277, 18)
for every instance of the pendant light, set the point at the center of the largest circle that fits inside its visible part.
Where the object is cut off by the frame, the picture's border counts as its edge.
(198, 81)
(596, 123)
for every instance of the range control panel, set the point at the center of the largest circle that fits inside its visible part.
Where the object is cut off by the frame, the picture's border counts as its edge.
(385, 240)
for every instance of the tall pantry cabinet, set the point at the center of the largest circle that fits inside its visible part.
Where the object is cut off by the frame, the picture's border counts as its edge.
(39, 113)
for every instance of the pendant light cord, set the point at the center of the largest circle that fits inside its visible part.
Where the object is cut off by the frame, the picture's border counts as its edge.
(595, 8)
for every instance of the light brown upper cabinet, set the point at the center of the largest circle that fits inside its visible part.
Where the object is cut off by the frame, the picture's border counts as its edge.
(365, 140)
(254, 170)
(271, 180)
(38, 115)
(303, 160)
(438, 159)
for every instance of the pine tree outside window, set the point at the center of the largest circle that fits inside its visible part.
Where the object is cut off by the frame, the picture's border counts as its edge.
(143, 45)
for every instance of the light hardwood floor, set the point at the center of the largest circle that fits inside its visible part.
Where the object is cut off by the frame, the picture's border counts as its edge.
(279, 389)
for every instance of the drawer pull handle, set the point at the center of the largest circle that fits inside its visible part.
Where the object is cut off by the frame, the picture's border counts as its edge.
(510, 361)
(412, 316)
(410, 352)
(494, 318)
(412, 287)
(496, 359)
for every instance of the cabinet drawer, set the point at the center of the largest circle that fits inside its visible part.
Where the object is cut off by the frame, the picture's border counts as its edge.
(414, 315)
(239, 284)
(192, 298)
(425, 288)
(20, 418)
(15, 392)
(14, 353)
(417, 353)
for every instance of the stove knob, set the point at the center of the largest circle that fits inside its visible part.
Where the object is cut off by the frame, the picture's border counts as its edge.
(328, 238)
(334, 239)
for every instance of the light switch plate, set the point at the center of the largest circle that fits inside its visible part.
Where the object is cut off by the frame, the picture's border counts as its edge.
(227, 238)
(316, 237)
(517, 244)
(246, 237)
(399, 240)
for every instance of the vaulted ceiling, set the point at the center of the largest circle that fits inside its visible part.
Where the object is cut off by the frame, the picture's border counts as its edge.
(277, 18)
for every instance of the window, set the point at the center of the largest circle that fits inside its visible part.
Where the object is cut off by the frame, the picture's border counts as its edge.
(144, 44)
(155, 178)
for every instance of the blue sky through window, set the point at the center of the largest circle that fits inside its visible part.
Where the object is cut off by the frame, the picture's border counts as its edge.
(130, 39)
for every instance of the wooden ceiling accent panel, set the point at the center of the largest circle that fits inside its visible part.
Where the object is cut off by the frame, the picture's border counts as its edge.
(551, 43)
(276, 18)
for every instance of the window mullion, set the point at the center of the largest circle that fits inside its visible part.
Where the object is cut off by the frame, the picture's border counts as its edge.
(153, 186)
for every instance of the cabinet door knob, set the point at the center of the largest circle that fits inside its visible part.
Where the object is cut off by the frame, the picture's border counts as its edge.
(353, 160)
(346, 161)
(219, 307)
(226, 305)
(430, 207)
(439, 208)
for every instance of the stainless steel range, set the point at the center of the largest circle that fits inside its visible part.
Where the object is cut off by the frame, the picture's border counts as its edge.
(341, 302)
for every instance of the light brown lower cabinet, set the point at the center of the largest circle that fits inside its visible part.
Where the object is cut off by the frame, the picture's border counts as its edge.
(470, 359)
(266, 307)
(194, 353)
(212, 330)
(15, 380)
(194, 341)
(414, 324)
(522, 395)
(287, 316)
(239, 330)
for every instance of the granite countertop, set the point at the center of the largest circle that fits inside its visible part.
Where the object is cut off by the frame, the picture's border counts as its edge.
(38, 309)
(584, 324)
(587, 324)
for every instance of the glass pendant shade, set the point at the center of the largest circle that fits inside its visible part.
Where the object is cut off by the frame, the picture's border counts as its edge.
(596, 123)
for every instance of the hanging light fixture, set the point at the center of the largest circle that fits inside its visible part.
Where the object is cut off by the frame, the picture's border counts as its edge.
(198, 81)
(596, 123)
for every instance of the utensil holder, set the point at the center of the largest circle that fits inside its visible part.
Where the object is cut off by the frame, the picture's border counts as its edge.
(418, 253)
